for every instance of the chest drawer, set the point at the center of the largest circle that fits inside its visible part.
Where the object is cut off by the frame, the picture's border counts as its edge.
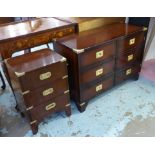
(96, 89)
(46, 92)
(127, 73)
(97, 72)
(42, 76)
(97, 54)
(130, 42)
(48, 107)
(127, 58)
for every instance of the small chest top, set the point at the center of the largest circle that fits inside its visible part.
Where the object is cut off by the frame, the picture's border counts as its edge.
(98, 36)
(33, 61)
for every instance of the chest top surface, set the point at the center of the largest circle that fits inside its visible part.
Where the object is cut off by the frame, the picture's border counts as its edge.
(94, 37)
(13, 30)
(33, 61)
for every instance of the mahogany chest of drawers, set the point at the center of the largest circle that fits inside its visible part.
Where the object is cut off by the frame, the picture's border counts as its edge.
(100, 58)
(40, 84)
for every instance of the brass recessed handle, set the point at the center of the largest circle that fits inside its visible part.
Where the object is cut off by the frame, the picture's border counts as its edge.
(132, 41)
(130, 57)
(45, 76)
(99, 87)
(50, 106)
(99, 71)
(48, 91)
(99, 54)
(128, 71)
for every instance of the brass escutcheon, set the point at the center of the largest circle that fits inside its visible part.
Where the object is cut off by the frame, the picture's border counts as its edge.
(99, 87)
(48, 91)
(99, 72)
(45, 76)
(99, 54)
(130, 57)
(50, 106)
(132, 41)
(128, 71)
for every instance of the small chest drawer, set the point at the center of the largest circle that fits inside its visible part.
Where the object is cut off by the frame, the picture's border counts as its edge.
(127, 58)
(130, 42)
(46, 92)
(97, 54)
(97, 72)
(100, 87)
(127, 73)
(42, 76)
(48, 107)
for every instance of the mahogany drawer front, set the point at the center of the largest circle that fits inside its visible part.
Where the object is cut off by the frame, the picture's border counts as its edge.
(127, 58)
(100, 87)
(97, 72)
(49, 107)
(127, 73)
(46, 92)
(42, 76)
(98, 54)
(130, 42)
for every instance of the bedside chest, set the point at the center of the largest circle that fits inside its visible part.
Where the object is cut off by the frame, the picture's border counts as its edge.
(100, 58)
(40, 84)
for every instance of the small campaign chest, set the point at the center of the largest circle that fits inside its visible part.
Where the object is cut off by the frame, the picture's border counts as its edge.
(40, 84)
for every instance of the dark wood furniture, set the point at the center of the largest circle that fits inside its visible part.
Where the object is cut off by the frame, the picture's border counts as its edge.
(100, 58)
(40, 84)
(28, 34)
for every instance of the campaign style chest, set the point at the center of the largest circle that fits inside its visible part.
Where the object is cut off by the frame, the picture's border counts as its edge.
(100, 58)
(40, 84)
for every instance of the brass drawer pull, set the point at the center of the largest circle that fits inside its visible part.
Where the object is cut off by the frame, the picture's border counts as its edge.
(50, 106)
(45, 76)
(130, 57)
(48, 91)
(132, 41)
(99, 54)
(128, 71)
(99, 72)
(99, 87)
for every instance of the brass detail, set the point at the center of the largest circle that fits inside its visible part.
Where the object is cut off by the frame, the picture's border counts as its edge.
(48, 91)
(130, 57)
(132, 41)
(78, 51)
(98, 88)
(50, 106)
(144, 28)
(20, 74)
(63, 59)
(45, 76)
(64, 77)
(128, 71)
(25, 92)
(70, 30)
(82, 104)
(67, 91)
(29, 108)
(60, 34)
(67, 105)
(33, 122)
(99, 54)
(99, 72)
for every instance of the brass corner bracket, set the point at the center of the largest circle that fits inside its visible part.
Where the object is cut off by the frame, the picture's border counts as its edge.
(78, 51)
(19, 74)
